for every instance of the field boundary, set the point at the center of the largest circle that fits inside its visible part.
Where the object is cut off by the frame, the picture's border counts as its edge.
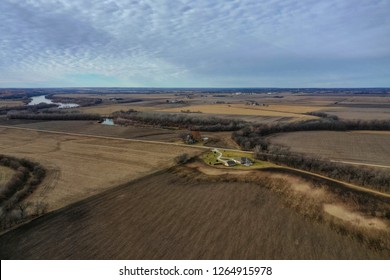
(345, 184)
(360, 163)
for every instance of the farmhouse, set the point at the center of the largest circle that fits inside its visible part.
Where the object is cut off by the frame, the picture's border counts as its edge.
(230, 163)
(246, 161)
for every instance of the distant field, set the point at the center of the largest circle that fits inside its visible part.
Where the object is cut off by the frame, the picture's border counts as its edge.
(95, 128)
(240, 109)
(168, 216)
(111, 108)
(359, 146)
(360, 113)
(220, 139)
(82, 166)
(5, 174)
(271, 111)
(288, 108)
(126, 95)
(10, 103)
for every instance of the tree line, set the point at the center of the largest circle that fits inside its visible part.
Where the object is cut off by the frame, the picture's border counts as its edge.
(27, 108)
(191, 122)
(54, 116)
(254, 137)
(82, 101)
(373, 178)
(28, 175)
(250, 136)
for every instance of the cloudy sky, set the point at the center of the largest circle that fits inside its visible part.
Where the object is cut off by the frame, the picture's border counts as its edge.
(188, 43)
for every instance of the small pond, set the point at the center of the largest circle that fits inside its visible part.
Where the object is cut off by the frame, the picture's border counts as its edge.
(107, 121)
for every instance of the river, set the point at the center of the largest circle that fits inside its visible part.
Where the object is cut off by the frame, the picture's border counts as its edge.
(42, 99)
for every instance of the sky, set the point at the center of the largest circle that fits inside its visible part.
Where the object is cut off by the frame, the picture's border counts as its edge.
(188, 43)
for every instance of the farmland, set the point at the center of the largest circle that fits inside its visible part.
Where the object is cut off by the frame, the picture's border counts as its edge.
(82, 166)
(367, 147)
(94, 128)
(138, 180)
(246, 110)
(10, 103)
(269, 109)
(179, 215)
(361, 113)
(5, 175)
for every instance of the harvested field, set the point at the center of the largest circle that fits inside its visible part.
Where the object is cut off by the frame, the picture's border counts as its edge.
(172, 216)
(221, 139)
(10, 103)
(79, 167)
(239, 109)
(95, 128)
(5, 175)
(357, 146)
(360, 113)
(119, 95)
(111, 108)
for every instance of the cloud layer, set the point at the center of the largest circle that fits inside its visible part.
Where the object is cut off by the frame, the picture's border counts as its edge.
(295, 43)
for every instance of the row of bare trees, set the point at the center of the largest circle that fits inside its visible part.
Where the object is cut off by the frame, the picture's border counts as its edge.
(255, 137)
(191, 122)
(27, 176)
(363, 176)
(26, 108)
(250, 136)
(54, 116)
(82, 101)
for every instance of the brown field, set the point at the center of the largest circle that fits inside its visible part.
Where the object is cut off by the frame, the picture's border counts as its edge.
(175, 215)
(289, 108)
(283, 111)
(95, 128)
(121, 199)
(104, 96)
(357, 146)
(10, 103)
(111, 108)
(79, 167)
(5, 174)
(353, 113)
(247, 112)
(217, 139)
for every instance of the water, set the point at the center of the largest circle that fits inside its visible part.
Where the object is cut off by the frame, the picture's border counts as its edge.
(108, 121)
(42, 99)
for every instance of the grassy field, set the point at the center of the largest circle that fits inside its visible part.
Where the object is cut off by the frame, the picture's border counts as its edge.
(173, 216)
(82, 166)
(5, 174)
(357, 146)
